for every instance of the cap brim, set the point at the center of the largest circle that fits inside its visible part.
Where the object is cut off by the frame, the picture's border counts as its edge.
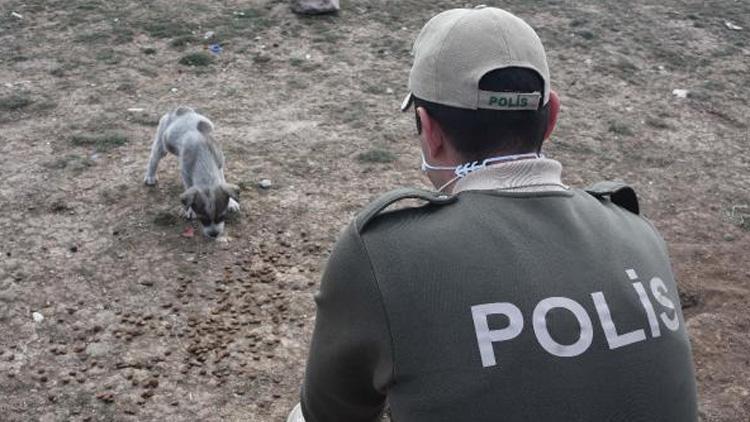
(408, 101)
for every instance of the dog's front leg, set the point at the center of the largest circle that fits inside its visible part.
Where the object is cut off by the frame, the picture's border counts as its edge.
(233, 205)
(157, 153)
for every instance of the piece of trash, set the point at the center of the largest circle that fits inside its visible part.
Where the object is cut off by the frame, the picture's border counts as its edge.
(732, 26)
(215, 48)
(135, 110)
(174, 89)
(94, 157)
(238, 13)
(37, 317)
(389, 90)
(188, 232)
(16, 15)
(308, 56)
(680, 93)
(208, 35)
(265, 184)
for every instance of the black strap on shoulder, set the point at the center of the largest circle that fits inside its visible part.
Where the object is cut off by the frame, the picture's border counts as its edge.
(383, 202)
(617, 192)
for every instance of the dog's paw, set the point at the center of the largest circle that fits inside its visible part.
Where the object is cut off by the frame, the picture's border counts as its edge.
(188, 213)
(233, 206)
(149, 180)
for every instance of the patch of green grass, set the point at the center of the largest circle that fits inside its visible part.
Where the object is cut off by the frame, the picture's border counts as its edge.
(165, 219)
(257, 19)
(620, 128)
(58, 71)
(108, 56)
(148, 72)
(657, 123)
(575, 23)
(374, 89)
(303, 64)
(72, 162)
(127, 87)
(196, 59)
(101, 142)
(377, 155)
(246, 14)
(88, 5)
(92, 38)
(145, 119)
(15, 102)
(166, 28)
(700, 95)
(122, 35)
(261, 58)
(586, 34)
(625, 65)
(183, 41)
(296, 84)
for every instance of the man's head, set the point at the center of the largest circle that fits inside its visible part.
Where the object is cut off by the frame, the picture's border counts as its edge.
(480, 87)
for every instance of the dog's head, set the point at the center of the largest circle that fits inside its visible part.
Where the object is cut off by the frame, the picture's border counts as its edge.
(210, 205)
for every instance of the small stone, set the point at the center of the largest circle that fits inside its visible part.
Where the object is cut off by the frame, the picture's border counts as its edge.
(315, 7)
(729, 237)
(37, 317)
(265, 184)
(106, 396)
(146, 282)
(680, 93)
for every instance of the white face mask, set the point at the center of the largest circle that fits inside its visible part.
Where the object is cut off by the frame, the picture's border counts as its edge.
(462, 170)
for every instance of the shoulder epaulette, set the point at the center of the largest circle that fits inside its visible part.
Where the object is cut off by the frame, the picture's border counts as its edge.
(619, 193)
(383, 202)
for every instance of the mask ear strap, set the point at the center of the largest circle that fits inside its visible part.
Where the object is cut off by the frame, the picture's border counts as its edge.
(429, 167)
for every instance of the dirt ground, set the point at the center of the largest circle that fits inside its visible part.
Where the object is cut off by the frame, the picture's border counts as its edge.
(141, 323)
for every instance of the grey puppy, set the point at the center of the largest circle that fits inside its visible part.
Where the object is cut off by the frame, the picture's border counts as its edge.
(188, 135)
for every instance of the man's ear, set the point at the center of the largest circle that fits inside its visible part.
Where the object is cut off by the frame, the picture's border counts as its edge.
(554, 111)
(433, 138)
(232, 190)
(188, 197)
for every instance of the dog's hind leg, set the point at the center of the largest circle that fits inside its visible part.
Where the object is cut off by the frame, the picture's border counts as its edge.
(158, 151)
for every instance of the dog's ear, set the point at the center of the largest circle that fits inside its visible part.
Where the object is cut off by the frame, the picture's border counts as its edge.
(188, 197)
(232, 190)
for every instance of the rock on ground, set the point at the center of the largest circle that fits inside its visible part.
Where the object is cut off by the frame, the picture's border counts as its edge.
(315, 7)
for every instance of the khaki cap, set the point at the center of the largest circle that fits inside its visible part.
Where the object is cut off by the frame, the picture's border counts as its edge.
(458, 47)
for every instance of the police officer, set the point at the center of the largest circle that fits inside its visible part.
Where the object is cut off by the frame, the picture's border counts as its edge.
(507, 296)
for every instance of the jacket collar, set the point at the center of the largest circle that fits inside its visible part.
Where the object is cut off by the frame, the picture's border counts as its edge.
(532, 175)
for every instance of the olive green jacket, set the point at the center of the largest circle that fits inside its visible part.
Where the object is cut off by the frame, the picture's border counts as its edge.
(497, 305)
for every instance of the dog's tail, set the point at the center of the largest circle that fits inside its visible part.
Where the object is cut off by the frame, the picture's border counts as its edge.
(205, 127)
